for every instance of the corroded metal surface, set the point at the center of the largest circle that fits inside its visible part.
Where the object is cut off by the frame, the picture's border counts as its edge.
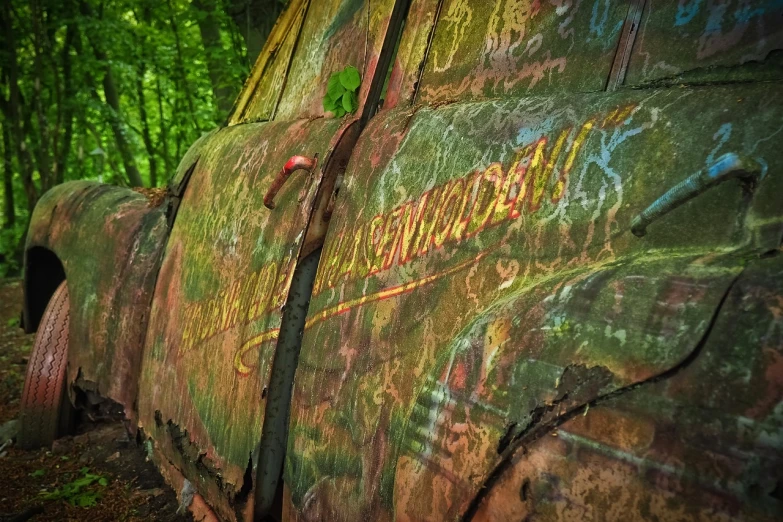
(109, 242)
(218, 302)
(486, 49)
(335, 33)
(703, 444)
(695, 40)
(487, 338)
(491, 283)
(259, 97)
(411, 51)
(312, 41)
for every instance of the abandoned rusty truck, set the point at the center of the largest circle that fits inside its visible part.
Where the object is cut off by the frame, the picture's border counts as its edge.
(525, 265)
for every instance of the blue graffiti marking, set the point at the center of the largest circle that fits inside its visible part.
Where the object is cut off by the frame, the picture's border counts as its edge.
(597, 26)
(722, 135)
(686, 12)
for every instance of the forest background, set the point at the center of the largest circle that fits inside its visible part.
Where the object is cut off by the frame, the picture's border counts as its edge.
(113, 91)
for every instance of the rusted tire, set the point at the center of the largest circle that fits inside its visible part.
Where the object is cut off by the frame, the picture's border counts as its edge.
(46, 409)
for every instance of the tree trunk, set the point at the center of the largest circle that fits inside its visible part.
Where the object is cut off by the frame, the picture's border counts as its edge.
(143, 57)
(145, 127)
(113, 100)
(64, 149)
(9, 211)
(183, 80)
(13, 108)
(44, 141)
(115, 118)
(254, 19)
(209, 27)
(163, 136)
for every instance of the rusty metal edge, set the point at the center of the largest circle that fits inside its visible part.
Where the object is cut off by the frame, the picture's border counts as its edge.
(423, 63)
(305, 9)
(627, 39)
(281, 28)
(393, 33)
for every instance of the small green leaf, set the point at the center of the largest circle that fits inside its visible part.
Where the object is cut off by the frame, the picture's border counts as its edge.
(85, 500)
(347, 102)
(38, 473)
(329, 104)
(82, 482)
(103, 481)
(84, 470)
(350, 78)
(341, 97)
(334, 89)
(53, 495)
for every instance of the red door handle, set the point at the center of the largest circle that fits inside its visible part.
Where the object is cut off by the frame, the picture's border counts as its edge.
(292, 165)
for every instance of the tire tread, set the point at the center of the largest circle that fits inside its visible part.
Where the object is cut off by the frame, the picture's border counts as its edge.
(43, 396)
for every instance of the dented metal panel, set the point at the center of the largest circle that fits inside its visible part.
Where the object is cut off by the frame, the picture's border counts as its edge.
(482, 285)
(218, 301)
(486, 49)
(480, 277)
(705, 443)
(708, 41)
(311, 41)
(335, 34)
(109, 241)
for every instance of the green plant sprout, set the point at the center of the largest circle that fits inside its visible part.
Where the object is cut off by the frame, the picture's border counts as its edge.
(341, 96)
(76, 492)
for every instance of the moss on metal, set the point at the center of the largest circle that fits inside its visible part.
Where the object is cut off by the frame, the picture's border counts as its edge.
(534, 303)
(109, 241)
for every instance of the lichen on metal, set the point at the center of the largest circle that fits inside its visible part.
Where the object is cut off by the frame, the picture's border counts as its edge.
(110, 282)
(487, 336)
(450, 305)
(221, 290)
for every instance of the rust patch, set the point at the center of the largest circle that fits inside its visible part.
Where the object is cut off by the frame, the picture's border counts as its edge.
(155, 196)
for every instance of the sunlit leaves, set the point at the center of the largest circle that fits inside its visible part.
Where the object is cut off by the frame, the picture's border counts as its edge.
(349, 78)
(139, 45)
(341, 96)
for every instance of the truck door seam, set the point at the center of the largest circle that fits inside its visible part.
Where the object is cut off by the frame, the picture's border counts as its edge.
(627, 39)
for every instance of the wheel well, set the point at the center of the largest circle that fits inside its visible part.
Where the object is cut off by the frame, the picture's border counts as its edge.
(43, 274)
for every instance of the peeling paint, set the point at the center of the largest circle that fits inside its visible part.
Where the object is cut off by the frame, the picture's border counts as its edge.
(486, 338)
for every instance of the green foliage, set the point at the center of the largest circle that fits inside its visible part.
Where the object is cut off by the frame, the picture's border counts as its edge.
(341, 96)
(10, 238)
(38, 473)
(175, 65)
(81, 492)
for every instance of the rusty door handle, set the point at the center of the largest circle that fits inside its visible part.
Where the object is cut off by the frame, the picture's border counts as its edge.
(729, 166)
(292, 165)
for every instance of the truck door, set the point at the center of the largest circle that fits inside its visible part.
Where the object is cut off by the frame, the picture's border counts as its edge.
(239, 232)
(552, 217)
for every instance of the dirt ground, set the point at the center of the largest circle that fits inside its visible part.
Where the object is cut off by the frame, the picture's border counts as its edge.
(99, 474)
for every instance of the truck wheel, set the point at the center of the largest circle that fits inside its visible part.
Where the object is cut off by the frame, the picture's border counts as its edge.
(46, 411)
